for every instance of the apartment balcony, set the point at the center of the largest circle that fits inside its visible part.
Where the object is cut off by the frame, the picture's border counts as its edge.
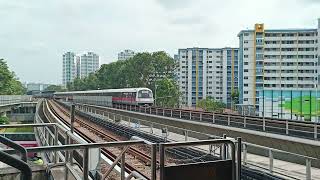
(272, 46)
(272, 53)
(307, 52)
(303, 38)
(307, 45)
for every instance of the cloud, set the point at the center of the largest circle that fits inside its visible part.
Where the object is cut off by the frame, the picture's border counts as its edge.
(174, 4)
(35, 33)
(188, 20)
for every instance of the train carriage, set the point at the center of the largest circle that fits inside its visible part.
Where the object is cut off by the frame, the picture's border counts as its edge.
(108, 97)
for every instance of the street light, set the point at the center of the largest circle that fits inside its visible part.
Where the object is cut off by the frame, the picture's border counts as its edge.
(155, 93)
(316, 100)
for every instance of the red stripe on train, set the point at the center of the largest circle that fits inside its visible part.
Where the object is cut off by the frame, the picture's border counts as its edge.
(123, 99)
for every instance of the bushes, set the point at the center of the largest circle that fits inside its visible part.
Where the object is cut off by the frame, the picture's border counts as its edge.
(4, 120)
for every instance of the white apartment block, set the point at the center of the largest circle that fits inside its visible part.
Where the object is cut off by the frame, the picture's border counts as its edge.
(200, 73)
(88, 63)
(126, 54)
(280, 60)
(68, 67)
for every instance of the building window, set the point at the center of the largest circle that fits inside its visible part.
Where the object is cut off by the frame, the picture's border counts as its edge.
(246, 56)
(246, 49)
(246, 92)
(246, 63)
(246, 42)
(246, 70)
(245, 85)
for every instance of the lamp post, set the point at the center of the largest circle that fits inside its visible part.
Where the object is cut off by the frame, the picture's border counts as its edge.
(316, 100)
(155, 93)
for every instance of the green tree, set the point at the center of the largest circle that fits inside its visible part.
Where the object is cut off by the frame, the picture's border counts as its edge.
(56, 88)
(112, 75)
(143, 70)
(167, 93)
(210, 104)
(234, 98)
(140, 70)
(9, 84)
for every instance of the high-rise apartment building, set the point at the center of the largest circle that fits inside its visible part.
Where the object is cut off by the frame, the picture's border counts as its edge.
(126, 54)
(201, 71)
(278, 68)
(78, 66)
(36, 86)
(230, 65)
(88, 63)
(68, 67)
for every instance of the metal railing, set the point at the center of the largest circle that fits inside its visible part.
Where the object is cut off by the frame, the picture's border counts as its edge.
(15, 162)
(13, 99)
(271, 152)
(303, 129)
(45, 132)
(164, 146)
(71, 137)
(149, 126)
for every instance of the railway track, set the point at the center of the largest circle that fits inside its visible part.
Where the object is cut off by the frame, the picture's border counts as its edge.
(139, 160)
(186, 154)
(178, 153)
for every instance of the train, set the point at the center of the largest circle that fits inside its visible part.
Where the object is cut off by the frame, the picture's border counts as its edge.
(109, 97)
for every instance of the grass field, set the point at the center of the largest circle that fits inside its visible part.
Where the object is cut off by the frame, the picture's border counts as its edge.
(304, 107)
(23, 129)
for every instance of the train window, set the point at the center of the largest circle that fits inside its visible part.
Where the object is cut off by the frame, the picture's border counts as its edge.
(144, 94)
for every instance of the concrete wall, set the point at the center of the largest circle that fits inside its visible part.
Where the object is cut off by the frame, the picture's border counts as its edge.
(9, 173)
(21, 117)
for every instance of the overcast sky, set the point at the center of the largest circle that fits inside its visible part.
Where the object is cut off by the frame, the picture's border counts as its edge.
(35, 33)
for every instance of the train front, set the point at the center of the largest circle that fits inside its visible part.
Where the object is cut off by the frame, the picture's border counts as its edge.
(145, 97)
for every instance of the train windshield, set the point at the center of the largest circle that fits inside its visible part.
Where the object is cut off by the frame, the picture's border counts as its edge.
(144, 94)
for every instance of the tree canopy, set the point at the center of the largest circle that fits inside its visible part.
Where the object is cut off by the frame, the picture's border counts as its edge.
(235, 98)
(210, 104)
(143, 70)
(9, 84)
(55, 88)
(167, 93)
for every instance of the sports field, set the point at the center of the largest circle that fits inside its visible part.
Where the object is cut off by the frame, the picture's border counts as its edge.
(303, 106)
(23, 129)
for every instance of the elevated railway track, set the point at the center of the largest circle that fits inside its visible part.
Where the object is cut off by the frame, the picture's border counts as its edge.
(112, 132)
(302, 129)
